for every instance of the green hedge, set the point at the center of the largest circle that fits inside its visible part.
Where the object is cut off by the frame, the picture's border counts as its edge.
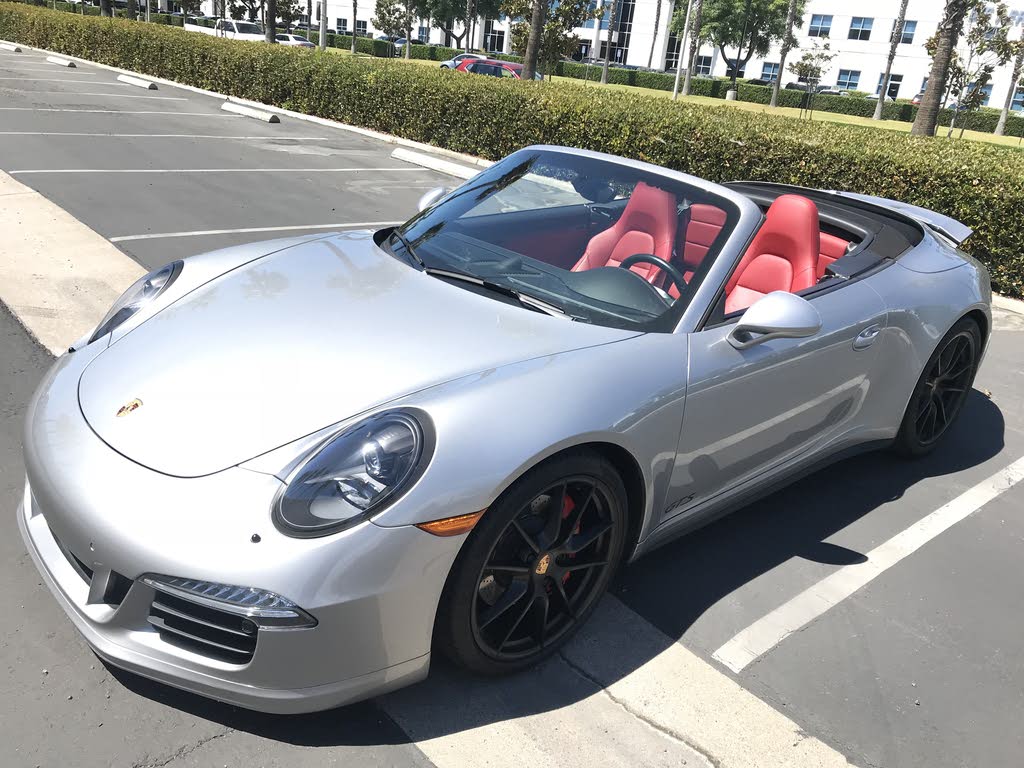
(979, 184)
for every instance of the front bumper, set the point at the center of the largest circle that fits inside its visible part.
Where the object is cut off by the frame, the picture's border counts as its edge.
(86, 508)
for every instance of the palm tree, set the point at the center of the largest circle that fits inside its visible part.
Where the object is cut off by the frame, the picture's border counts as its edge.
(1018, 65)
(354, 4)
(787, 43)
(533, 41)
(270, 28)
(945, 41)
(309, 17)
(654, 37)
(897, 35)
(695, 22)
(608, 47)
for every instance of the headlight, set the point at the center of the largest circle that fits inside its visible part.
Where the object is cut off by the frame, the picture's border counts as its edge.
(353, 476)
(136, 298)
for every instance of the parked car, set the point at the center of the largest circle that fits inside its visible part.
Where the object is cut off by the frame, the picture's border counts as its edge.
(917, 98)
(760, 81)
(454, 62)
(238, 30)
(494, 68)
(295, 40)
(563, 364)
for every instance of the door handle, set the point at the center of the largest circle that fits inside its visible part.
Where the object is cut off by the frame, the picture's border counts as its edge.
(867, 337)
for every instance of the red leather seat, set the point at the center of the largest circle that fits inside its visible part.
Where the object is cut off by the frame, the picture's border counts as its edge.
(647, 225)
(782, 257)
(832, 248)
(703, 223)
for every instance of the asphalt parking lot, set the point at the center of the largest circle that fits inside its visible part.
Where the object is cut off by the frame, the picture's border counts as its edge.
(922, 666)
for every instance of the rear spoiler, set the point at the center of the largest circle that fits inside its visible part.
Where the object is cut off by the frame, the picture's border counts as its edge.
(951, 228)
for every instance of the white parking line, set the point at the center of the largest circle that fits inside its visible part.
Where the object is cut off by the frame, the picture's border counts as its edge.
(247, 230)
(81, 72)
(160, 135)
(117, 111)
(118, 95)
(770, 630)
(50, 80)
(215, 170)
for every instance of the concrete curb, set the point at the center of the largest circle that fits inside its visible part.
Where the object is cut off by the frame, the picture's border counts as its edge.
(1007, 304)
(58, 277)
(434, 163)
(5, 46)
(131, 80)
(258, 114)
(61, 62)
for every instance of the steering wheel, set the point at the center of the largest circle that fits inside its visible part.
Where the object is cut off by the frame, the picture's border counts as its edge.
(672, 271)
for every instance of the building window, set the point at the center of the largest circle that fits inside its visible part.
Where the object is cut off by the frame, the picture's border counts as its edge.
(1018, 100)
(907, 36)
(740, 71)
(622, 27)
(860, 28)
(895, 81)
(341, 25)
(672, 53)
(494, 39)
(591, 23)
(770, 70)
(820, 25)
(702, 66)
(848, 79)
(924, 85)
(361, 28)
(423, 34)
(986, 91)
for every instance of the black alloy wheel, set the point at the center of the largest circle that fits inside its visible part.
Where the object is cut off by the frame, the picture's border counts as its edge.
(535, 567)
(941, 390)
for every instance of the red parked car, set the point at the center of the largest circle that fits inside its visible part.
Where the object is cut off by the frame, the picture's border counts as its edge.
(494, 68)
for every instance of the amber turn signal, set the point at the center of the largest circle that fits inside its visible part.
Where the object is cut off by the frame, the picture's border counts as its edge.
(452, 526)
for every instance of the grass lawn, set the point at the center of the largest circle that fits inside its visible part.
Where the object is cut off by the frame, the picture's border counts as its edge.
(829, 117)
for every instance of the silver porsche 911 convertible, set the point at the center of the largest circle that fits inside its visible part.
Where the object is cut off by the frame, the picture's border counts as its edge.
(282, 474)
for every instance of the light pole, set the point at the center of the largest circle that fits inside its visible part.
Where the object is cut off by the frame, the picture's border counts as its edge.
(681, 53)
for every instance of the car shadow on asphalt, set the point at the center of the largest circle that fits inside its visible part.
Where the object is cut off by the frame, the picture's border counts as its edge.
(694, 573)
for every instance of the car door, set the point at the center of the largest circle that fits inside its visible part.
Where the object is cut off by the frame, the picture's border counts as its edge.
(752, 412)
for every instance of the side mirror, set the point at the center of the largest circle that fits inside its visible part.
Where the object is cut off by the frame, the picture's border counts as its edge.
(431, 197)
(779, 315)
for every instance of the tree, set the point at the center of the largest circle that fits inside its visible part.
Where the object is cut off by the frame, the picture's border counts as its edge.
(309, 15)
(749, 26)
(985, 47)
(248, 9)
(809, 70)
(696, 29)
(446, 15)
(106, 8)
(613, 22)
(894, 40)
(654, 35)
(788, 42)
(287, 12)
(1018, 65)
(391, 18)
(558, 39)
(354, 10)
(533, 39)
(270, 23)
(131, 10)
(945, 39)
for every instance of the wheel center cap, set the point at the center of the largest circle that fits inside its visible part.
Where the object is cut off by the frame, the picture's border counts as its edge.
(543, 564)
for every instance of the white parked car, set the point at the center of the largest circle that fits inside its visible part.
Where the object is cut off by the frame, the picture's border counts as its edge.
(295, 40)
(454, 62)
(238, 30)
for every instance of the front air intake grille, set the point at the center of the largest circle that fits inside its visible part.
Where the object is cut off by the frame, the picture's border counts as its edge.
(204, 630)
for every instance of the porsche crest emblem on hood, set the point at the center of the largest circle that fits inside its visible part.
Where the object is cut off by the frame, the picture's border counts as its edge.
(128, 407)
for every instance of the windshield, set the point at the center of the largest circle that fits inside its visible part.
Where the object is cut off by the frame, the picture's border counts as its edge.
(247, 28)
(556, 226)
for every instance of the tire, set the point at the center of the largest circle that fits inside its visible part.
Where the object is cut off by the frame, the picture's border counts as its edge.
(516, 591)
(941, 390)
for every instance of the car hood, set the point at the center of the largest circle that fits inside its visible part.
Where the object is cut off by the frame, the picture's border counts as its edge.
(293, 342)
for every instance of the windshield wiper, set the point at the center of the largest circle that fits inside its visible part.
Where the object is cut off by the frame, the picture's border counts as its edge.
(408, 248)
(525, 299)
